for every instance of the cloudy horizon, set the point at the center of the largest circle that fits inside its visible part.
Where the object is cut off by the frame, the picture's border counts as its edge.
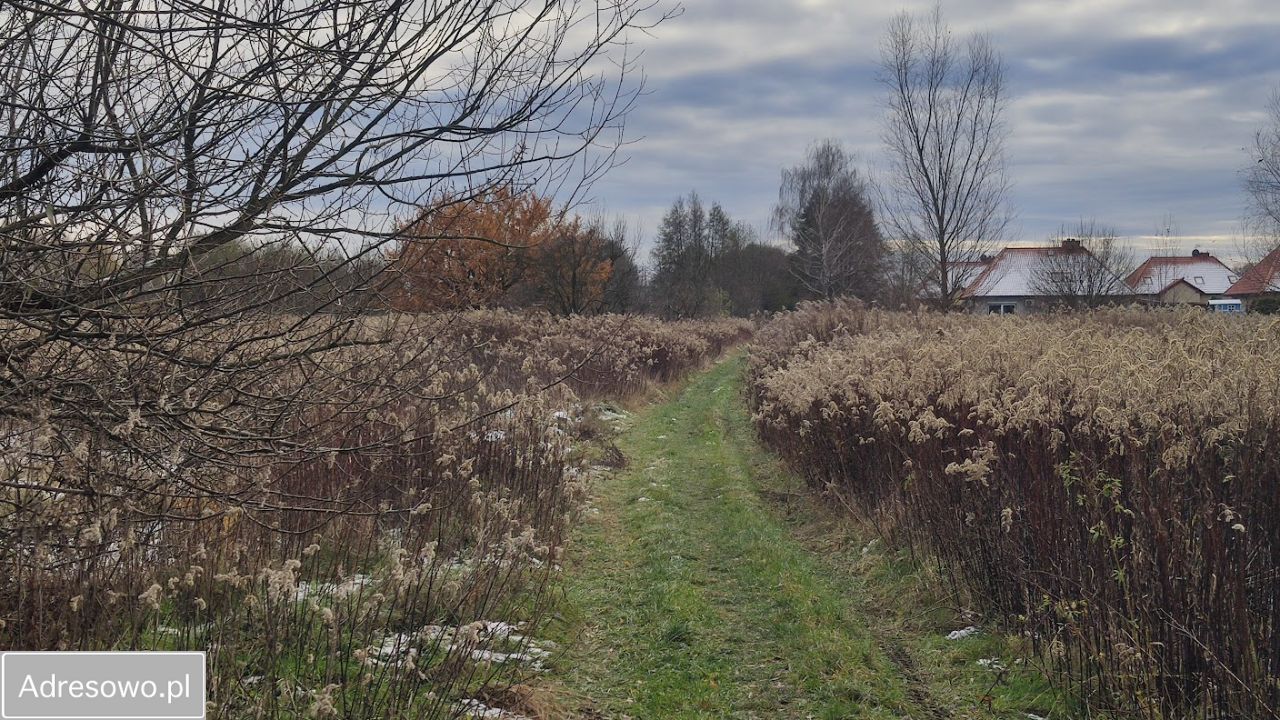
(1136, 113)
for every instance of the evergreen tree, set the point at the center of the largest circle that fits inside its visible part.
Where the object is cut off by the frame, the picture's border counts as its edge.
(706, 263)
(682, 262)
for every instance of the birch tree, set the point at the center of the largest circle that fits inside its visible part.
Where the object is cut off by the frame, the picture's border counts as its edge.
(824, 209)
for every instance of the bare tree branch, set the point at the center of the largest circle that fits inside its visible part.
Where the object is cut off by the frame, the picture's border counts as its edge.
(944, 130)
(1085, 267)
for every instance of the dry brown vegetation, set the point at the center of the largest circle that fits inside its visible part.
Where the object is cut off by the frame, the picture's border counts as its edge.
(1106, 482)
(363, 531)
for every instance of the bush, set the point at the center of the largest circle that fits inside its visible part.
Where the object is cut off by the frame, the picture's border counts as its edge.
(1265, 305)
(1106, 483)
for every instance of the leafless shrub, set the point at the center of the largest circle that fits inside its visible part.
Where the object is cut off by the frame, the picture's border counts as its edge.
(1086, 267)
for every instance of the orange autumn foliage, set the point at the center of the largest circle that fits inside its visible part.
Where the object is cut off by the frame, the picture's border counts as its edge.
(502, 248)
(572, 271)
(469, 252)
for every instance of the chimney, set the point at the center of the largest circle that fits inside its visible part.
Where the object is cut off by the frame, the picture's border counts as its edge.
(1070, 244)
(1196, 253)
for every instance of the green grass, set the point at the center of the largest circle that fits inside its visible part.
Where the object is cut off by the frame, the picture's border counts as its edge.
(689, 595)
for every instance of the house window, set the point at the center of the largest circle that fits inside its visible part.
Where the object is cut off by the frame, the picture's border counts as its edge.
(1001, 308)
(1199, 279)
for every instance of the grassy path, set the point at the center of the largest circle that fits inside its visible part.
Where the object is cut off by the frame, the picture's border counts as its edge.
(691, 595)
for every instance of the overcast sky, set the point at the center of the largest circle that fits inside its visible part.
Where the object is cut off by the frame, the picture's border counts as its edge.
(1127, 111)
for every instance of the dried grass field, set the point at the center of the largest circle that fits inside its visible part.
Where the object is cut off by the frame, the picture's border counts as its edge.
(369, 531)
(1103, 484)
(862, 514)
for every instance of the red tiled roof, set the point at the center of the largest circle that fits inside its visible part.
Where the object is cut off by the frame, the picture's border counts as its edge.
(1211, 276)
(1153, 262)
(1260, 278)
(1018, 256)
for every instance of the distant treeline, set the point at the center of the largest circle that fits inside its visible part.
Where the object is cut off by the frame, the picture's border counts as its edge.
(516, 249)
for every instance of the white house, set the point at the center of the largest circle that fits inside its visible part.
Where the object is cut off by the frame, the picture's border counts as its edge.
(1027, 279)
(1182, 280)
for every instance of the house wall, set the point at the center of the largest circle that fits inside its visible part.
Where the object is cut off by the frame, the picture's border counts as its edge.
(981, 306)
(1182, 294)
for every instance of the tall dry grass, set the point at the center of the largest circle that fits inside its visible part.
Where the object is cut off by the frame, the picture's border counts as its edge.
(1107, 483)
(390, 557)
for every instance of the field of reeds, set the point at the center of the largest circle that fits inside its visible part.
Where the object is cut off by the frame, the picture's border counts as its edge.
(1107, 484)
(383, 547)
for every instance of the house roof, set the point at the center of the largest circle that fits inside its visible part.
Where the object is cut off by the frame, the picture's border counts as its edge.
(964, 272)
(1203, 271)
(1261, 278)
(1182, 281)
(1017, 271)
(960, 273)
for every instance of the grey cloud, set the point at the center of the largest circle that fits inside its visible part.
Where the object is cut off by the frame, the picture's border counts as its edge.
(1123, 110)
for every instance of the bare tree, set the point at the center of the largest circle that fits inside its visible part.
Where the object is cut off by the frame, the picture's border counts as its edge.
(1256, 238)
(1262, 178)
(195, 203)
(906, 279)
(944, 131)
(1085, 267)
(824, 209)
(141, 141)
(571, 272)
(1167, 235)
(1261, 226)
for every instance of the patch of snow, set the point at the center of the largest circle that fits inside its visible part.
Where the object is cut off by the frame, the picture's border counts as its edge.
(992, 664)
(476, 641)
(348, 587)
(499, 630)
(532, 657)
(495, 435)
(962, 634)
(194, 630)
(393, 646)
(612, 416)
(478, 710)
